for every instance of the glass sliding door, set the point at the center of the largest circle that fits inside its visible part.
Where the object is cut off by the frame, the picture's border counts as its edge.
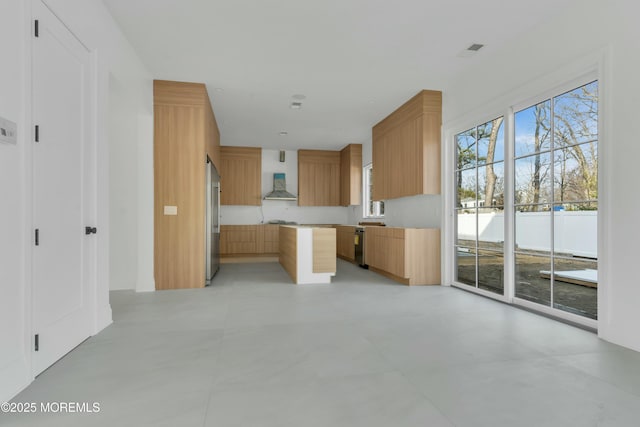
(479, 178)
(556, 201)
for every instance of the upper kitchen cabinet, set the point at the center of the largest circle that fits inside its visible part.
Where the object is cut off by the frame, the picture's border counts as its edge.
(318, 178)
(240, 176)
(351, 175)
(406, 149)
(185, 133)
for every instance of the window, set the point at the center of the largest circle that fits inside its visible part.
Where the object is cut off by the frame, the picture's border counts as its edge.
(480, 206)
(556, 201)
(371, 208)
(552, 177)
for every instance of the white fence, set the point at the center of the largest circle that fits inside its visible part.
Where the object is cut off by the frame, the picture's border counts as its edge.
(575, 232)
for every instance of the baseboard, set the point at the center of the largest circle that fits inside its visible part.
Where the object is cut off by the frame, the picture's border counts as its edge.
(248, 258)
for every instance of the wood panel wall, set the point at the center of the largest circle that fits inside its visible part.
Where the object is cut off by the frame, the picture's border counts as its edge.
(184, 133)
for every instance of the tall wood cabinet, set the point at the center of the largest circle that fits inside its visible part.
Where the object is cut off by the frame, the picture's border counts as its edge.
(185, 133)
(406, 149)
(240, 176)
(318, 178)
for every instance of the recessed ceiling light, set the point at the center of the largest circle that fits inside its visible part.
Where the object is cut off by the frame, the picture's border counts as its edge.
(296, 105)
(298, 96)
(283, 133)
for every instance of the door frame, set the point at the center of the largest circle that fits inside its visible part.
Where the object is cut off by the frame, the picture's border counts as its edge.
(594, 67)
(96, 167)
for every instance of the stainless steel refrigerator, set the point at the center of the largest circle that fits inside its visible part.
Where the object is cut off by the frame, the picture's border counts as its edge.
(213, 221)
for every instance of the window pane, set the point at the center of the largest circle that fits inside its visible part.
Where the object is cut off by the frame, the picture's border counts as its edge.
(491, 230)
(533, 229)
(576, 173)
(466, 183)
(531, 284)
(491, 141)
(575, 232)
(575, 286)
(466, 149)
(466, 265)
(576, 116)
(532, 179)
(491, 185)
(491, 271)
(466, 225)
(532, 129)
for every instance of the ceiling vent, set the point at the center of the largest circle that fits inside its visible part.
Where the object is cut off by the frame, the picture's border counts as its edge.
(471, 50)
(296, 105)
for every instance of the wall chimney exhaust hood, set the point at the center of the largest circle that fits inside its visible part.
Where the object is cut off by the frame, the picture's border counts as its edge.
(280, 189)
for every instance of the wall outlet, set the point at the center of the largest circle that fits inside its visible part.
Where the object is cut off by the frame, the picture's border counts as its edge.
(171, 210)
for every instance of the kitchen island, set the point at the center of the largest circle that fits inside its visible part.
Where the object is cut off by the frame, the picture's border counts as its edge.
(308, 253)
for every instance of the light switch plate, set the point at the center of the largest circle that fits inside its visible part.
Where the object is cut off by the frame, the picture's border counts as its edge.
(171, 210)
(8, 132)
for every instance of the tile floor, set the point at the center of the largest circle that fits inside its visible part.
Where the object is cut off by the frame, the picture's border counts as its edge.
(255, 350)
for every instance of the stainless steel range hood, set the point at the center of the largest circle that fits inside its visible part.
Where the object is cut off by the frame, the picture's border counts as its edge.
(280, 189)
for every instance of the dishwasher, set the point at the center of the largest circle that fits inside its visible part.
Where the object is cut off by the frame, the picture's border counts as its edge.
(359, 246)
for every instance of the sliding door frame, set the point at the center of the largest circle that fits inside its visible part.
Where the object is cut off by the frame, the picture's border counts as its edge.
(571, 77)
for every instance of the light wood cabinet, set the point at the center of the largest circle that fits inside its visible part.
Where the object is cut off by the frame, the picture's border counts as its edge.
(241, 176)
(268, 239)
(407, 255)
(351, 175)
(345, 243)
(238, 239)
(185, 133)
(318, 178)
(249, 239)
(406, 149)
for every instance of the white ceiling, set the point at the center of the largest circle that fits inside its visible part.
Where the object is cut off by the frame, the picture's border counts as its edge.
(355, 60)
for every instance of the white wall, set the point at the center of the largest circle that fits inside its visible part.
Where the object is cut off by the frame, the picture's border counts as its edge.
(92, 24)
(600, 35)
(283, 210)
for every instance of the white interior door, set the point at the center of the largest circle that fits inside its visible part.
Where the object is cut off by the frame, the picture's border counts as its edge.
(62, 270)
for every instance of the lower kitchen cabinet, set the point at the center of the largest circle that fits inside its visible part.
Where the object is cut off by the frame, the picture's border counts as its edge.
(345, 245)
(249, 239)
(268, 239)
(407, 255)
